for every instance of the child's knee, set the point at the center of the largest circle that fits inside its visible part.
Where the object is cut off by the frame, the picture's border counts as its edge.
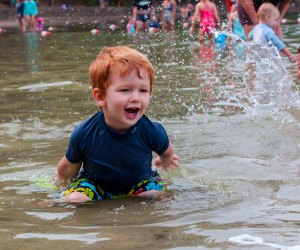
(77, 197)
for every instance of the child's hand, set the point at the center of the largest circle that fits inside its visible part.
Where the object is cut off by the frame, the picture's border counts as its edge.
(292, 58)
(192, 31)
(167, 162)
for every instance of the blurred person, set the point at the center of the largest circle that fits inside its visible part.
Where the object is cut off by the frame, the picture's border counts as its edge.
(20, 15)
(30, 13)
(234, 24)
(186, 15)
(168, 14)
(247, 12)
(263, 33)
(209, 20)
(142, 11)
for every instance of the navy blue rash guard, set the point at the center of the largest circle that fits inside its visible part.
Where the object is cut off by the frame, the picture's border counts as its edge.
(116, 161)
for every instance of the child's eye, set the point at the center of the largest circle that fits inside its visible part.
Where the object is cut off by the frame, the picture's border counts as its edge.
(144, 90)
(124, 90)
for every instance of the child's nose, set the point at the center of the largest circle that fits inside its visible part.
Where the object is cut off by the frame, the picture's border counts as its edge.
(135, 97)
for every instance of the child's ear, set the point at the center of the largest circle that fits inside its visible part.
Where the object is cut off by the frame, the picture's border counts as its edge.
(98, 97)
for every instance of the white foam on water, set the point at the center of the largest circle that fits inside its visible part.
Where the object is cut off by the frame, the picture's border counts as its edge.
(46, 85)
(51, 216)
(89, 238)
(246, 239)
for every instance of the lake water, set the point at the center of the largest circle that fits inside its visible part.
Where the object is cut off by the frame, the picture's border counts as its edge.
(232, 114)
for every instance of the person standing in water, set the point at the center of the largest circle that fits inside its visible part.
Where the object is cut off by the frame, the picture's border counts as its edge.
(263, 33)
(30, 13)
(168, 15)
(247, 11)
(209, 20)
(234, 24)
(110, 154)
(20, 15)
(142, 11)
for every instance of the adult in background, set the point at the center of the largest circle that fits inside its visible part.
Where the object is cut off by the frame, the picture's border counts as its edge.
(247, 12)
(20, 15)
(168, 14)
(142, 9)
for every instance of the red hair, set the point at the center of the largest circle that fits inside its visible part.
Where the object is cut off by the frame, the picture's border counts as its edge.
(122, 57)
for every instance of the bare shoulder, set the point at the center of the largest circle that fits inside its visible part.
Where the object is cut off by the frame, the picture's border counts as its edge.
(199, 7)
(213, 5)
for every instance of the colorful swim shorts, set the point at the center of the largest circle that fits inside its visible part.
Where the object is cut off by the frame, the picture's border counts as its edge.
(95, 192)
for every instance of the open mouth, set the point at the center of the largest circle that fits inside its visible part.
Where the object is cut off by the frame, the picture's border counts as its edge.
(132, 111)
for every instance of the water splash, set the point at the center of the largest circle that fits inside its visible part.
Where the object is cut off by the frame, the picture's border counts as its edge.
(244, 78)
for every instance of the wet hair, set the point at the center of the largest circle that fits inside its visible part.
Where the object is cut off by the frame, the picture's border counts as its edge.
(267, 9)
(123, 58)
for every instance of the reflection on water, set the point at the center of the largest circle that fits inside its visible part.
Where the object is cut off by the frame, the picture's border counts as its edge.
(232, 112)
(32, 51)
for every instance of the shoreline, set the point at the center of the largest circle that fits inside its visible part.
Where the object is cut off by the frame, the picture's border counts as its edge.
(90, 17)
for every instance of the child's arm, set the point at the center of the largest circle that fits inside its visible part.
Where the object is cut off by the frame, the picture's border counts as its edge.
(197, 13)
(66, 171)
(134, 13)
(271, 36)
(174, 10)
(217, 18)
(167, 159)
(289, 54)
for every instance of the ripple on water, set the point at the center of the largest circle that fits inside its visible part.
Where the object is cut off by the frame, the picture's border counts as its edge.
(88, 238)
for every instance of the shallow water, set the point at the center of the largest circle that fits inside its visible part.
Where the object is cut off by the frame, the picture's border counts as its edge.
(233, 115)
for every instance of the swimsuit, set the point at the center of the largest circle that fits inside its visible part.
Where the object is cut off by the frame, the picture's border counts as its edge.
(237, 28)
(96, 192)
(30, 8)
(144, 17)
(20, 10)
(207, 20)
(168, 13)
(143, 7)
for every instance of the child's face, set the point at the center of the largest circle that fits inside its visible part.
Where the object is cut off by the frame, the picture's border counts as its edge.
(126, 99)
(272, 19)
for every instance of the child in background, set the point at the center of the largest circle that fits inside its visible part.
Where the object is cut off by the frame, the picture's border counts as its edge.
(262, 33)
(20, 15)
(130, 26)
(234, 24)
(186, 15)
(110, 154)
(40, 24)
(30, 13)
(141, 13)
(209, 19)
(154, 25)
(168, 15)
